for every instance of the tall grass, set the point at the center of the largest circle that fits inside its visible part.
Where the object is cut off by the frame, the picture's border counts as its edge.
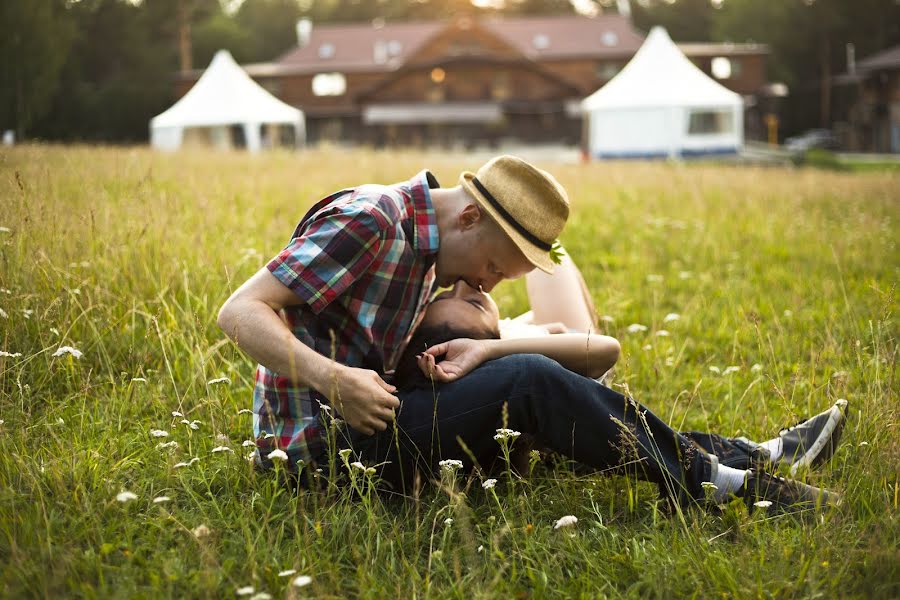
(126, 255)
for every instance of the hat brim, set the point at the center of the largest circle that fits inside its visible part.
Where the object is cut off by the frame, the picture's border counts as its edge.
(536, 256)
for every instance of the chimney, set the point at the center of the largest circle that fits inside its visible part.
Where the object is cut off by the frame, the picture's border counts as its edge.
(304, 30)
(851, 59)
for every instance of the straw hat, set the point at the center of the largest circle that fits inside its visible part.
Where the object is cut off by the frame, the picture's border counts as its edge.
(527, 203)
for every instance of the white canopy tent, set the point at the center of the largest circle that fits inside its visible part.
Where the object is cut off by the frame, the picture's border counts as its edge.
(223, 97)
(662, 105)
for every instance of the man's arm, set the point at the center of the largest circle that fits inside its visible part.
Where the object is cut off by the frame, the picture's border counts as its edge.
(250, 318)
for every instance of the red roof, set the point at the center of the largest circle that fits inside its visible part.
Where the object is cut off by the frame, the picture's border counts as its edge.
(548, 38)
(367, 47)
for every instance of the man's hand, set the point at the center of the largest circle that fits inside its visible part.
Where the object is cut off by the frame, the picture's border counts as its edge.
(363, 399)
(460, 357)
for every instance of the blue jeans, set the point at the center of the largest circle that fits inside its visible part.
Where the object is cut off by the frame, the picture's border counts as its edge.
(566, 412)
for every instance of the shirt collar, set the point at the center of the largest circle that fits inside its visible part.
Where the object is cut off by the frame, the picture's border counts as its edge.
(420, 188)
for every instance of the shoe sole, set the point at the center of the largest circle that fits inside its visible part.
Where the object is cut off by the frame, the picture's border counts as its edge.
(830, 435)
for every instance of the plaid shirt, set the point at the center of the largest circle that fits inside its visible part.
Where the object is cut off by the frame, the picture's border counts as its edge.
(362, 261)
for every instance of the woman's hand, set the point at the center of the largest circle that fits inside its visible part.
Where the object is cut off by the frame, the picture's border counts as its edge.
(460, 357)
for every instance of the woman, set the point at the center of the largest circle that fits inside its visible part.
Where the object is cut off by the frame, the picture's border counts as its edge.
(460, 381)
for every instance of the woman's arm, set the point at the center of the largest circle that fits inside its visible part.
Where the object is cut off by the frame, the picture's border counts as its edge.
(591, 355)
(587, 354)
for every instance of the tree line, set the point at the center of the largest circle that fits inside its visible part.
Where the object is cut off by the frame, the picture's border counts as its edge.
(98, 70)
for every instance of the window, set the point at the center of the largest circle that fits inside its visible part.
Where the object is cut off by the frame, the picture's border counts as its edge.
(329, 84)
(608, 70)
(710, 121)
(326, 50)
(725, 68)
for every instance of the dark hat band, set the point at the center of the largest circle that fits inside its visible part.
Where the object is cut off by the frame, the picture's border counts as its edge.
(510, 219)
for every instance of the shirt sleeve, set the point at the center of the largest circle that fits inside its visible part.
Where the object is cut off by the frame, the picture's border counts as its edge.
(335, 250)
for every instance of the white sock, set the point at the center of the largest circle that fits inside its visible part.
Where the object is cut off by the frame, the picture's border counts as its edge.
(775, 448)
(728, 481)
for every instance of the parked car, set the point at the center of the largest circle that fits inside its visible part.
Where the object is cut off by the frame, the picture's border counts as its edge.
(814, 138)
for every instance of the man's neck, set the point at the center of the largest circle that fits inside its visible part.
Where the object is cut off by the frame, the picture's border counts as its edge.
(447, 203)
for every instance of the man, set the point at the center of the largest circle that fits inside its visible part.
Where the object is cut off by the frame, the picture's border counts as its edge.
(352, 286)
(330, 315)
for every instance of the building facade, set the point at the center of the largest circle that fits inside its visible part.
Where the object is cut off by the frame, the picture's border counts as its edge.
(470, 81)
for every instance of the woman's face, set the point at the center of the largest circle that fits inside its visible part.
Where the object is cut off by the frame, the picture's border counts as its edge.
(464, 307)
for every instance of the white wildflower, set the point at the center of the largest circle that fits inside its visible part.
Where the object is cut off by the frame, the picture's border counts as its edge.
(450, 465)
(504, 434)
(76, 291)
(715, 369)
(218, 449)
(654, 278)
(345, 453)
(186, 464)
(159, 433)
(636, 328)
(126, 496)
(863, 444)
(161, 499)
(370, 471)
(266, 435)
(201, 531)
(358, 465)
(662, 333)
(566, 521)
(448, 521)
(164, 445)
(2, 421)
(60, 421)
(10, 354)
(195, 425)
(481, 548)
(839, 375)
(221, 438)
(648, 347)
(68, 350)
(762, 503)
(176, 414)
(245, 411)
(788, 313)
(248, 443)
(4, 314)
(608, 319)
(756, 368)
(709, 485)
(287, 573)
(277, 454)
(27, 312)
(5, 230)
(54, 331)
(489, 484)
(138, 380)
(247, 590)
(671, 317)
(261, 596)
(670, 362)
(218, 380)
(252, 456)
(302, 580)
(731, 369)
(685, 274)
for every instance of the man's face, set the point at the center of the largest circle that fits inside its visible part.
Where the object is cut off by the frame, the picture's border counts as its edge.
(463, 307)
(480, 254)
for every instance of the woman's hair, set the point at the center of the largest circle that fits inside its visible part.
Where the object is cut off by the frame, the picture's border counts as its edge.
(408, 375)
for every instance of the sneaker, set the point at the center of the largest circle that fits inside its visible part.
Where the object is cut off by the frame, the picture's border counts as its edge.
(763, 490)
(812, 442)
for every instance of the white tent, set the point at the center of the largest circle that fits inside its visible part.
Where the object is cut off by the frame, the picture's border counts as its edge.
(662, 105)
(223, 97)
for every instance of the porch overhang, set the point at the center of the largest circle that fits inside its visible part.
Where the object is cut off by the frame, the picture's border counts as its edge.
(438, 112)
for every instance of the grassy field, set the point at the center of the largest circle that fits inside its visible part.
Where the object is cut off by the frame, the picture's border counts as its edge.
(127, 255)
